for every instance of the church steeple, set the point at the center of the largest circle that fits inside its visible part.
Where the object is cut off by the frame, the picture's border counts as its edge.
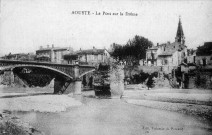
(180, 35)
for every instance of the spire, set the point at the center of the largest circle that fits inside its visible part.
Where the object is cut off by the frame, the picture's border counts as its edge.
(180, 35)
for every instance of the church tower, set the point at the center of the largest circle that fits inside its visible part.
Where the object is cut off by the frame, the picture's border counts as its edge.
(180, 35)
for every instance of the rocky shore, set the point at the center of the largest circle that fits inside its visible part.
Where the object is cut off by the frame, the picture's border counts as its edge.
(191, 102)
(11, 125)
(24, 99)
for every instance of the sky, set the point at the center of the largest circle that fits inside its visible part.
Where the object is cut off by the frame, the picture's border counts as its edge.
(25, 25)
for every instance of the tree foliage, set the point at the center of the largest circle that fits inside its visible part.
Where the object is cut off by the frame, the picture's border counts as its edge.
(132, 51)
(206, 49)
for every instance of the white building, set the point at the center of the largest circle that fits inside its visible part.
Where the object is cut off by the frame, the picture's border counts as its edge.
(52, 54)
(90, 56)
(168, 54)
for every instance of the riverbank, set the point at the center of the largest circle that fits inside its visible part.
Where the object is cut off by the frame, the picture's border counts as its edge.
(40, 103)
(187, 101)
(26, 100)
(11, 125)
(101, 114)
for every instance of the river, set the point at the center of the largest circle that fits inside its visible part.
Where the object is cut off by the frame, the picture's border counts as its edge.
(114, 117)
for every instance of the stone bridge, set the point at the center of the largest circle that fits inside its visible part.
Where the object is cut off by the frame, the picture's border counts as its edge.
(66, 77)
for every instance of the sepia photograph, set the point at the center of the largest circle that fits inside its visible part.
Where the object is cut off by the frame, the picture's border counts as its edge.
(105, 67)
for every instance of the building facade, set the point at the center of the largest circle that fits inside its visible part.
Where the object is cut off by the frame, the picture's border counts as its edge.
(191, 58)
(151, 56)
(168, 54)
(204, 56)
(52, 54)
(88, 57)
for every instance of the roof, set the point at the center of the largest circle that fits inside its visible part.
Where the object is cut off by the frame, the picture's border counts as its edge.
(179, 30)
(167, 53)
(91, 51)
(84, 52)
(17, 55)
(54, 49)
(70, 56)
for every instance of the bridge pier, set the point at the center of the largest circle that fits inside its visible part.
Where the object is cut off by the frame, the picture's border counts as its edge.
(77, 87)
(74, 87)
(77, 83)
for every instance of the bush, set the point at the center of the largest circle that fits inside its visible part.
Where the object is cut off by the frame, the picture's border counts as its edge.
(142, 77)
(150, 82)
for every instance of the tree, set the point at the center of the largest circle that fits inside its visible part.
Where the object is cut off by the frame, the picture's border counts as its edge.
(132, 51)
(150, 82)
(206, 49)
(118, 52)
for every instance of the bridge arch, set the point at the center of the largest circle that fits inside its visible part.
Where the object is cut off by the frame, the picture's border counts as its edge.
(35, 66)
(86, 73)
(66, 76)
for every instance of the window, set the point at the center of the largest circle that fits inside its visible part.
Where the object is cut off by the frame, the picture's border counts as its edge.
(204, 62)
(165, 62)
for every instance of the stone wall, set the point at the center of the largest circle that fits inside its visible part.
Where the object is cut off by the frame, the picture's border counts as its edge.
(11, 79)
(129, 71)
(160, 81)
(201, 81)
(7, 78)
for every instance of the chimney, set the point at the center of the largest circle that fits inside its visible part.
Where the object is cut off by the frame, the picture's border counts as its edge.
(157, 44)
(168, 42)
(47, 46)
(94, 47)
(41, 47)
(52, 45)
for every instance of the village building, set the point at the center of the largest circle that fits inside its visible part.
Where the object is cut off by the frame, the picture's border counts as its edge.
(197, 72)
(191, 58)
(88, 57)
(20, 56)
(95, 57)
(52, 54)
(151, 56)
(168, 54)
(205, 58)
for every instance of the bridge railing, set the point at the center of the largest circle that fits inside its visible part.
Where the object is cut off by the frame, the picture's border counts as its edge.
(15, 62)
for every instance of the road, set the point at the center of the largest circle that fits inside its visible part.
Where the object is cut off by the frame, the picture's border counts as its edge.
(114, 117)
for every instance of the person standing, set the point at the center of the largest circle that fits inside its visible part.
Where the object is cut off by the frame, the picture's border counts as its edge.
(91, 82)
